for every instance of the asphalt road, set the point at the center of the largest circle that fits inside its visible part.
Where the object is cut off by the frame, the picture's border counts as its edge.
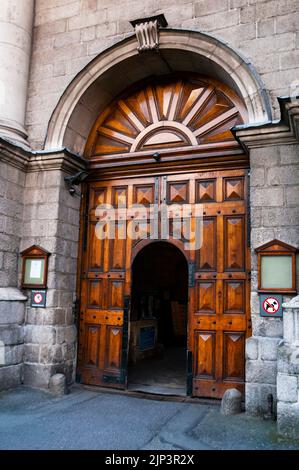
(84, 419)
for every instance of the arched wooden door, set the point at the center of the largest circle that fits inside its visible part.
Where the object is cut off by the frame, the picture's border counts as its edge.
(167, 144)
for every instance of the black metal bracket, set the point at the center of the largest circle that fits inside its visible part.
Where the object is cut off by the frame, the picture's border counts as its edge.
(191, 274)
(189, 373)
(85, 218)
(78, 378)
(75, 310)
(112, 379)
(121, 379)
(248, 211)
(74, 180)
(125, 340)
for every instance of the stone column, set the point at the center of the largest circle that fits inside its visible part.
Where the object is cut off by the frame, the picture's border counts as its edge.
(288, 373)
(12, 301)
(16, 20)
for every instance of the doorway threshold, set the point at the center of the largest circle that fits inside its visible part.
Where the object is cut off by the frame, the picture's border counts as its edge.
(151, 395)
(158, 389)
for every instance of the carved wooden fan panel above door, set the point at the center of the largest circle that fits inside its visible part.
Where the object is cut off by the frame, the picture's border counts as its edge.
(183, 114)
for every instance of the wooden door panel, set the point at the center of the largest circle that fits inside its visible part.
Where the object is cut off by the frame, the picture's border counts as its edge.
(234, 248)
(95, 250)
(97, 197)
(144, 194)
(206, 191)
(113, 348)
(103, 280)
(117, 248)
(220, 307)
(233, 364)
(204, 342)
(103, 348)
(233, 189)
(116, 293)
(207, 255)
(92, 345)
(178, 192)
(120, 196)
(234, 297)
(95, 293)
(206, 297)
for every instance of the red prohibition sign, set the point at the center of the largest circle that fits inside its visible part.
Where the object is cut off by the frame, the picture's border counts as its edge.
(271, 305)
(38, 298)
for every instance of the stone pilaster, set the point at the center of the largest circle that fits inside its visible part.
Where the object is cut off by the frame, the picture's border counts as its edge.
(51, 220)
(37, 208)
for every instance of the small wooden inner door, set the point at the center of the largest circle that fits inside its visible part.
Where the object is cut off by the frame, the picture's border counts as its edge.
(191, 159)
(158, 319)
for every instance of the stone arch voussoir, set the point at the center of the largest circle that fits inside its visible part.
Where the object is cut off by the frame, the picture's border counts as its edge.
(98, 83)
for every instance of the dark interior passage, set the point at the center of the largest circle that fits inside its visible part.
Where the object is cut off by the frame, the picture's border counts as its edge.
(158, 322)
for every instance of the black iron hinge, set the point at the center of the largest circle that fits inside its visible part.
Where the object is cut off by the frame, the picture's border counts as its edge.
(191, 274)
(248, 210)
(121, 379)
(75, 310)
(78, 378)
(189, 373)
(85, 218)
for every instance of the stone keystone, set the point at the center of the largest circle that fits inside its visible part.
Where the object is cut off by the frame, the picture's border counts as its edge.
(231, 402)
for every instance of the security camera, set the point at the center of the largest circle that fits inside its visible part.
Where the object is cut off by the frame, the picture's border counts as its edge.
(75, 180)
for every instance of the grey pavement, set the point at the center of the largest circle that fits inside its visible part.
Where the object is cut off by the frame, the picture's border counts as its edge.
(84, 419)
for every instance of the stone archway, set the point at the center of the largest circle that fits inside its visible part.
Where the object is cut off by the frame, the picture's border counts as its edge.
(180, 50)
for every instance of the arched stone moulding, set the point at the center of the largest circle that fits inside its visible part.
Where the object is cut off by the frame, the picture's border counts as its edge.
(120, 66)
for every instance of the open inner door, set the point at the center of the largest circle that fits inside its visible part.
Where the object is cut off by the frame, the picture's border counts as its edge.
(158, 320)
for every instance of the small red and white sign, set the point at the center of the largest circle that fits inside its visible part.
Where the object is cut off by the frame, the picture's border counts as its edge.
(271, 305)
(37, 298)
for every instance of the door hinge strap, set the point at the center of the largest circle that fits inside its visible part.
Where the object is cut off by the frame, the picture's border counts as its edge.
(124, 353)
(189, 373)
(191, 274)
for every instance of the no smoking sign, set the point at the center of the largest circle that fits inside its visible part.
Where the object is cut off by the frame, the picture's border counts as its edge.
(38, 298)
(270, 305)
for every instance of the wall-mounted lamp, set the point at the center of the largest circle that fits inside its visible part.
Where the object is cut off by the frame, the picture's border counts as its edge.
(75, 180)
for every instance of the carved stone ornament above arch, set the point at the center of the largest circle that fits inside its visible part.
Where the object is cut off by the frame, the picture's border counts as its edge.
(121, 66)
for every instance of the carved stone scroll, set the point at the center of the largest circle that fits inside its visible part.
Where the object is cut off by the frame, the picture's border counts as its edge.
(147, 32)
(147, 36)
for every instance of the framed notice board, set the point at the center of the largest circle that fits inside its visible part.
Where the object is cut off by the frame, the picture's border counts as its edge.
(34, 267)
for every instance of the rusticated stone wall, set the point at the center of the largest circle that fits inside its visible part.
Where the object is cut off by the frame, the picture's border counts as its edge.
(274, 206)
(70, 33)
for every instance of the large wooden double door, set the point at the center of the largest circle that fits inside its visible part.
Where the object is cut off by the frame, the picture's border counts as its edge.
(218, 318)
